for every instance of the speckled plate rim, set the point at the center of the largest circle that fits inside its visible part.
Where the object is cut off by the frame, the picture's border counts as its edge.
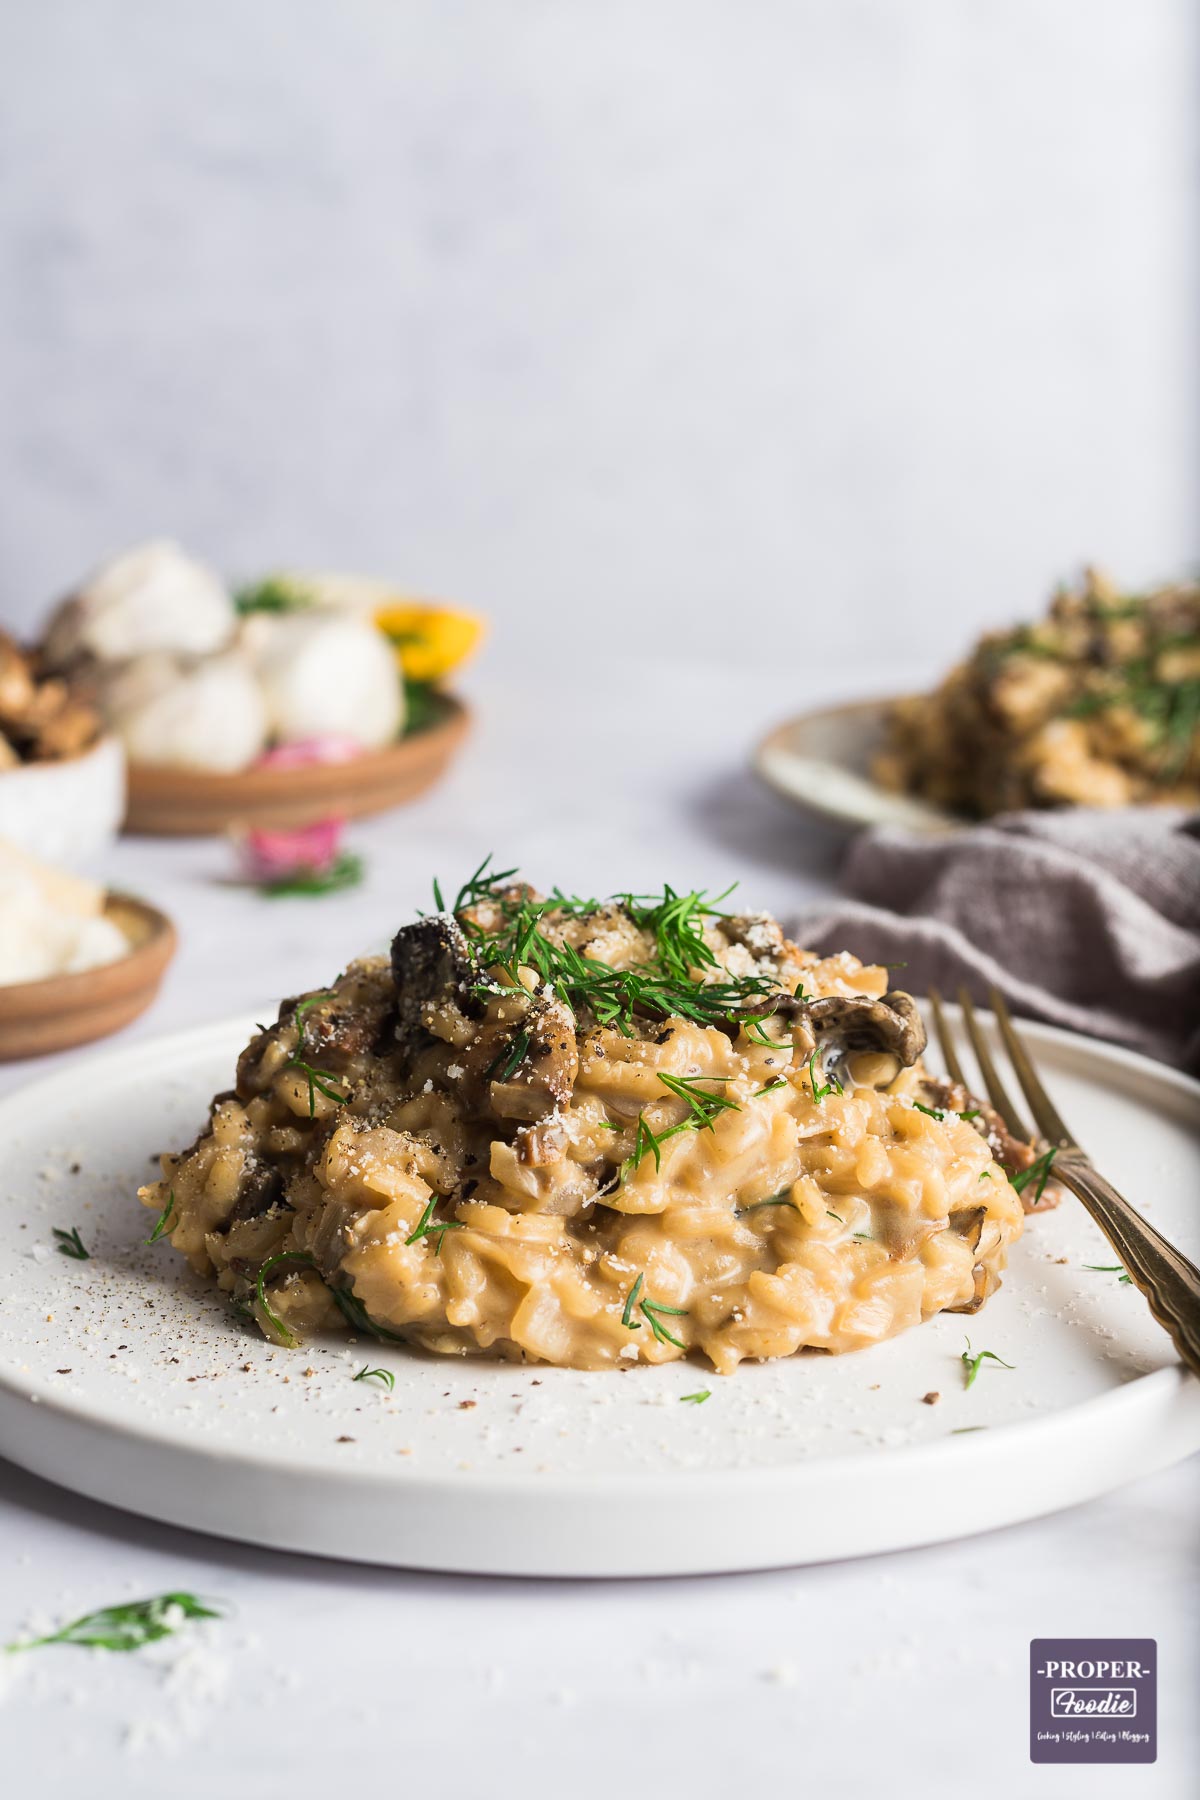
(838, 787)
(617, 1525)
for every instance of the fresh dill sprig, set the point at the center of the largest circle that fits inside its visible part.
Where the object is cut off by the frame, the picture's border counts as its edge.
(676, 921)
(160, 1224)
(755, 1032)
(938, 1112)
(125, 1627)
(347, 1303)
(305, 1006)
(772, 1087)
(482, 885)
(510, 1059)
(346, 871)
(1038, 1171)
(423, 705)
(651, 1311)
(71, 1244)
(320, 1081)
(645, 1142)
(357, 1316)
(272, 595)
(702, 1106)
(819, 1088)
(425, 1227)
(1110, 1269)
(974, 1362)
(383, 1375)
(1170, 709)
(697, 1399)
(782, 1198)
(299, 1259)
(574, 905)
(674, 982)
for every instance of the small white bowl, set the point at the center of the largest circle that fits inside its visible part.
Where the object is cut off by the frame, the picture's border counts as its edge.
(64, 812)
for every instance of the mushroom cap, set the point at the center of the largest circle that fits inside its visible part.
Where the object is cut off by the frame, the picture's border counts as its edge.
(431, 961)
(850, 1023)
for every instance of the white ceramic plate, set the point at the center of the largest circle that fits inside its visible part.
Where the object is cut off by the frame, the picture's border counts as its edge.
(125, 1378)
(821, 762)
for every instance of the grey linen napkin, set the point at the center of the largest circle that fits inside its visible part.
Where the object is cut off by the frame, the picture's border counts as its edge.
(1087, 919)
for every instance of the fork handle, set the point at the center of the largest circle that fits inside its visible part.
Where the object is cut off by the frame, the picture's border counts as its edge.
(1170, 1283)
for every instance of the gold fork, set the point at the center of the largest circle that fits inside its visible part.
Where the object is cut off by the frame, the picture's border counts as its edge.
(1169, 1282)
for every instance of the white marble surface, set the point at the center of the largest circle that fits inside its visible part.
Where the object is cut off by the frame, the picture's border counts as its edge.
(837, 1678)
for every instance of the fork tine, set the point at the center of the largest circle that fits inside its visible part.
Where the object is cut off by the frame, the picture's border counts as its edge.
(946, 1040)
(997, 1093)
(1040, 1104)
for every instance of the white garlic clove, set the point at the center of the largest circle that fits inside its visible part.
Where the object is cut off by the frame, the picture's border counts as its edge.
(152, 597)
(207, 714)
(324, 673)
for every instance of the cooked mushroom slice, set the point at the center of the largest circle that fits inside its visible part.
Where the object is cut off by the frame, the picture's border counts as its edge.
(891, 1029)
(261, 1192)
(969, 1224)
(432, 962)
(536, 1071)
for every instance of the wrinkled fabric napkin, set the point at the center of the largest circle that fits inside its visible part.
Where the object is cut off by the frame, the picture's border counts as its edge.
(1086, 919)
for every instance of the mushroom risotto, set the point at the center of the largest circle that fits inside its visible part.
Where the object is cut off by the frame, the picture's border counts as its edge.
(1097, 705)
(596, 1133)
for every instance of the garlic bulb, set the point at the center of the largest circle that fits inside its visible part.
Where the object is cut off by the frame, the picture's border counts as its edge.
(324, 673)
(205, 714)
(153, 597)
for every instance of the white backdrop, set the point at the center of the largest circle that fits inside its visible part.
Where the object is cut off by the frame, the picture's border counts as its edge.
(856, 321)
(724, 354)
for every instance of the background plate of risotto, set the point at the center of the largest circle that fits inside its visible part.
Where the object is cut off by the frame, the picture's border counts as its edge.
(1096, 704)
(125, 1376)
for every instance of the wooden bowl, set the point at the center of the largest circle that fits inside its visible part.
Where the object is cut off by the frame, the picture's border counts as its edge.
(187, 803)
(37, 1017)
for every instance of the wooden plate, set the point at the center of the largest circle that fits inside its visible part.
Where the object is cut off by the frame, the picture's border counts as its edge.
(187, 803)
(821, 762)
(37, 1017)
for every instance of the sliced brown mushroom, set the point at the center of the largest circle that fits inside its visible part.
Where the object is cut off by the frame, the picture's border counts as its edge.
(968, 1223)
(851, 1023)
(524, 1051)
(538, 1070)
(431, 963)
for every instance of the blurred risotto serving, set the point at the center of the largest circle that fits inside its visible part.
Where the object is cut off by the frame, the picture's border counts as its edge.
(595, 1133)
(1097, 705)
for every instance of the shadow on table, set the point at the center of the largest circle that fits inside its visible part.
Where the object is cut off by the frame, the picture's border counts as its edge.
(757, 827)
